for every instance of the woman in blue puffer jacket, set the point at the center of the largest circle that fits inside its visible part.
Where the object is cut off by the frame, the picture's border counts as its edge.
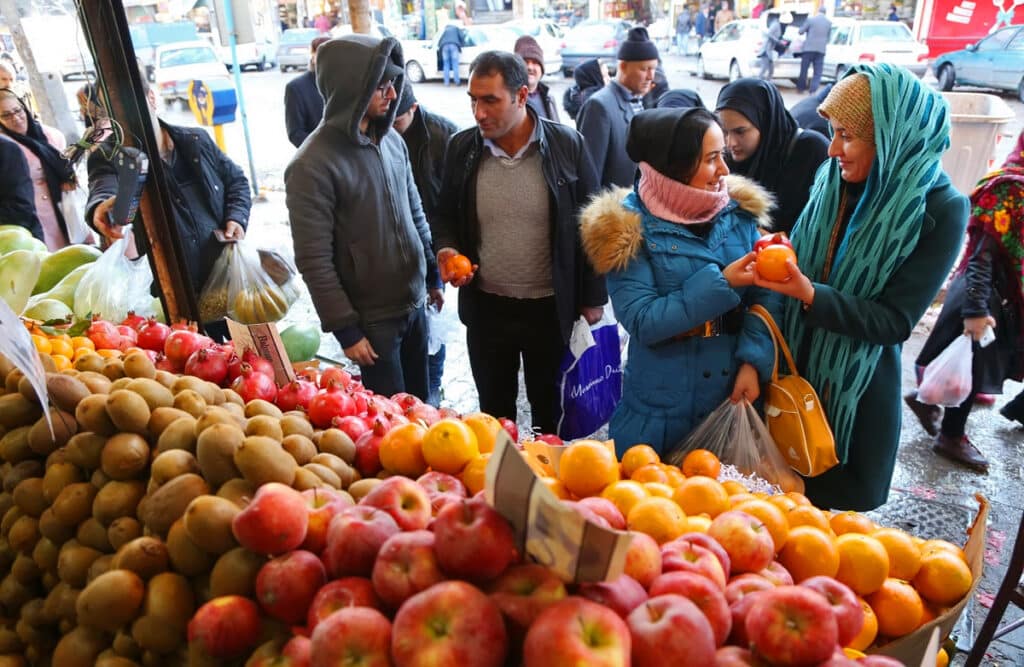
(677, 252)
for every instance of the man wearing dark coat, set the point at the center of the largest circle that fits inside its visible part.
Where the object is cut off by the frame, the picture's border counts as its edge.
(303, 104)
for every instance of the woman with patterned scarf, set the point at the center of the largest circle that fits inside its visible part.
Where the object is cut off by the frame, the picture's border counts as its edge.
(985, 292)
(877, 238)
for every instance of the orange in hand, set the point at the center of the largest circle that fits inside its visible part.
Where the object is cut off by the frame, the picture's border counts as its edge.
(457, 267)
(771, 262)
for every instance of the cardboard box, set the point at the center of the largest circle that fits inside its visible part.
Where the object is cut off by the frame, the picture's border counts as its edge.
(914, 648)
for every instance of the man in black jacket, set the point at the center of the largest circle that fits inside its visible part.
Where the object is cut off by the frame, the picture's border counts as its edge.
(510, 196)
(303, 104)
(17, 198)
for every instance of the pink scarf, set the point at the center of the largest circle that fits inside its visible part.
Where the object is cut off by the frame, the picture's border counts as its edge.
(671, 200)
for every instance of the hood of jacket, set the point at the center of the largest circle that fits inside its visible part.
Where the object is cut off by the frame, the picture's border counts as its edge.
(348, 71)
(612, 234)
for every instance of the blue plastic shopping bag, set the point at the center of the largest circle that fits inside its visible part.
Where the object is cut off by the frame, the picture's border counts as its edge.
(590, 378)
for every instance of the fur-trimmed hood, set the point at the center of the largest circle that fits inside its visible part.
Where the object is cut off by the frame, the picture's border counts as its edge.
(612, 234)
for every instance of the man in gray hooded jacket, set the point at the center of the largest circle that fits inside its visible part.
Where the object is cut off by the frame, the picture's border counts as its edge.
(361, 240)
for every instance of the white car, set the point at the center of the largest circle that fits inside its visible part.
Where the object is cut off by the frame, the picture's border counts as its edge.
(549, 36)
(176, 65)
(423, 58)
(732, 53)
(854, 41)
(376, 30)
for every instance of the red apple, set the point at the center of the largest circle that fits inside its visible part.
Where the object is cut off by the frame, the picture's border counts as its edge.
(440, 500)
(436, 483)
(777, 573)
(450, 623)
(643, 559)
(323, 505)
(575, 632)
(510, 428)
(339, 594)
(587, 513)
(522, 592)
(226, 627)
(668, 627)
(704, 593)
(354, 538)
(274, 522)
(683, 556)
(299, 651)
(405, 566)
(709, 543)
(286, 585)
(849, 614)
(621, 595)
(742, 584)
(473, 541)
(792, 625)
(405, 500)
(606, 509)
(550, 439)
(735, 656)
(738, 611)
(745, 538)
(352, 636)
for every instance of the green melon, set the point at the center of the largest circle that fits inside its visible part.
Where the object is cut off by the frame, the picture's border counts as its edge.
(64, 291)
(61, 263)
(19, 270)
(47, 309)
(18, 238)
(301, 342)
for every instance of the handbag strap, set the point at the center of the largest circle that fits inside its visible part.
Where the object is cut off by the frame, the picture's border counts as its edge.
(777, 337)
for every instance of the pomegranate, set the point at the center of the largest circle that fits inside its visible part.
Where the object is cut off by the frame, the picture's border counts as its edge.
(360, 399)
(251, 385)
(134, 321)
(182, 343)
(383, 404)
(448, 413)
(296, 395)
(129, 336)
(104, 335)
(153, 335)
(510, 428)
(330, 403)
(209, 364)
(351, 426)
(162, 363)
(550, 439)
(336, 374)
(405, 400)
(258, 363)
(184, 325)
(310, 374)
(368, 450)
(423, 412)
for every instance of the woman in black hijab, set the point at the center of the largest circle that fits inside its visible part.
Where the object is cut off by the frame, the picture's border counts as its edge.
(680, 98)
(765, 144)
(591, 76)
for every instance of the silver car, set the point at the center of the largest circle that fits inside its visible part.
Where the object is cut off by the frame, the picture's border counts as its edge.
(853, 41)
(732, 53)
(293, 49)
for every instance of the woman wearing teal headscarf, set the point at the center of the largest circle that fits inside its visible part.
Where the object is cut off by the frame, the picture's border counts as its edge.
(878, 237)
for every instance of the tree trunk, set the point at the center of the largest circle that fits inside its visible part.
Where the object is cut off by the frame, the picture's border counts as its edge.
(359, 13)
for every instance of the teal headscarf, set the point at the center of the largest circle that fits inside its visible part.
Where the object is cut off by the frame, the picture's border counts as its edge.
(911, 131)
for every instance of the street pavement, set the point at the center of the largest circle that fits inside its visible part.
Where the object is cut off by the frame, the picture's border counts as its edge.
(929, 492)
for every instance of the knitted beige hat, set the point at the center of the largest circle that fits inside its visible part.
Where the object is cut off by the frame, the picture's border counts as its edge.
(849, 104)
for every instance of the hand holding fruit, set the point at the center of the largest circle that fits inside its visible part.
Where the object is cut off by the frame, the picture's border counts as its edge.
(975, 326)
(455, 268)
(740, 273)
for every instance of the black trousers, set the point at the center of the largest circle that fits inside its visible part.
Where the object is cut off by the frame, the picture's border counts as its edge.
(401, 347)
(500, 331)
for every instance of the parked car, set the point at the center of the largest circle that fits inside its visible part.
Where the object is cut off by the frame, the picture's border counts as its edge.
(593, 39)
(77, 63)
(259, 55)
(732, 52)
(146, 37)
(177, 64)
(293, 49)
(423, 58)
(549, 36)
(994, 62)
(853, 41)
(376, 30)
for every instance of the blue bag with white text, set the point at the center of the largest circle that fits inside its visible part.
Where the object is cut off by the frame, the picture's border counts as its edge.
(590, 378)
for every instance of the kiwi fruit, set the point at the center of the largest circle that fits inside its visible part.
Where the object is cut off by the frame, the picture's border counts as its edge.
(215, 415)
(45, 554)
(80, 647)
(208, 523)
(123, 530)
(166, 378)
(156, 635)
(300, 447)
(59, 475)
(64, 426)
(120, 383)
(85, 449)
(360, 488)
(113, 369)
(296, 425)
(307, 479)
(262, 460)
(168, 465)
(65, 391)
(24, 534)
(99, 478)
(161, 418)
(11, 380)
(54, 530)
(189, 400)
(110, 600)
(16, 410)
(28, 496)
(232, 396)
(74, 503)
(26, 389)
(145, 556)
(168, 503)
(139, 365)
(169, 598)
(112, 659)
(336, 464)
(89, 363)
(11, 647)
(97, 382)
(239, 491)
(186, 556)
(179, 434)
(73, 563)
(216, 448)
(10, 516)
(261, 407)
(155, 394)
(25, 569)
(129, 411)
(335, 441)
(235, 572)
(125, 456)
(264, 425)
(116, 499)
(236, 411)
(201, 387)
(326, 474)
(14, 594)
(104, 563)
(14, 445)
(123, 645)
(92, 415)
(93, 534)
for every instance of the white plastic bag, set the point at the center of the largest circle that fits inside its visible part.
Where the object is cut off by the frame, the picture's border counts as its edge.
(78, 231)
(947, 379)
(440, 326)
(114, 284)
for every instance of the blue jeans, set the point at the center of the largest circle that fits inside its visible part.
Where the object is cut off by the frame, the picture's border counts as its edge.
(435, 370)
(401, 347)
(808, 59)
(450, 58)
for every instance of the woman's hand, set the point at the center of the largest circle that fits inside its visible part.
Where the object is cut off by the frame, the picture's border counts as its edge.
(975, 326)
(741, 272)
(747, 385)
(796, 285)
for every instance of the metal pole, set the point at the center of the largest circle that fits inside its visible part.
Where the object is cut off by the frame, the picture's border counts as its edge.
(229, 21)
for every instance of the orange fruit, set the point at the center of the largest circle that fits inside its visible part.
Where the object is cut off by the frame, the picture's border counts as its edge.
(740, 498)
(650, 472)
(638, 456)
(942, 659)
(556, 487)
(904, 555)
(851, 522)
(79, 342)
(943, 545)
(733, 486)
(658, 489)
(930, 613)
(624, 494)
(943, 578)
(675, 476)
(784, 503)
(401, 450)
(61, 347)
(586, 467)
(771, 262)
(109, 354)
(771, 516)
(486, 429)
(81, 352)
(698, 524)
(868, 631)
(853, 653)
(701, 462)
(449, 445)
(660, 518)
(809, 552)
(798, 497)
(807, 515)
(898, 608)
(701, 495)
(474, 475)
(863, 562)
(458, 267)
(60, 362)
(42, 343)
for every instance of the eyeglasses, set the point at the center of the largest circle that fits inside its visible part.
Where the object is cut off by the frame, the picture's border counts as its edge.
(384, 87)
(12, 114)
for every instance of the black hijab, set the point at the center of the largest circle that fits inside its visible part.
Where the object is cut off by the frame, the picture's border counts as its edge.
(56, 168)
(762, 104)
(588, 74)
(680, 98)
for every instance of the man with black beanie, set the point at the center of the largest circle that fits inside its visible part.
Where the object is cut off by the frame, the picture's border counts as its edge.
(540, 100)
(604, 118)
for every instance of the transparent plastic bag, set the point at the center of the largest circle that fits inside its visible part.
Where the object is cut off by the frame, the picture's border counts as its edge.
(440, 326)
(213, 299)
(735, 433)
(947, 379)
(253, 296)
(114, 284)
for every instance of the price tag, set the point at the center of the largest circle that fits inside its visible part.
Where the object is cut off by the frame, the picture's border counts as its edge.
(549, 532)
(16, 345)
(264, 340)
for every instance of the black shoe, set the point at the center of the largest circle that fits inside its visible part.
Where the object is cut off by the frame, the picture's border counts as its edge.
(1014, 410)
(928, 415)
(961, 450)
